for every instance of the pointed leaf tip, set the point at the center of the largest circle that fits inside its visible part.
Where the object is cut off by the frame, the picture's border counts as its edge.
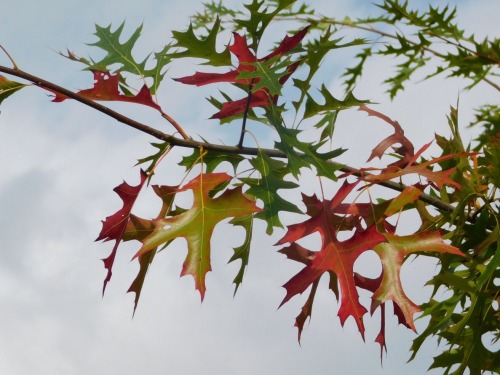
(114, 226)
(8, 87)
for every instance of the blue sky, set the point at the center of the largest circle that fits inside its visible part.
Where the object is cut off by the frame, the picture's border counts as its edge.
(60, 164)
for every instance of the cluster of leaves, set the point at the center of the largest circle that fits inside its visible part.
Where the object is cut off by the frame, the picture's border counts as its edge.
(456, 197)
(414, 38)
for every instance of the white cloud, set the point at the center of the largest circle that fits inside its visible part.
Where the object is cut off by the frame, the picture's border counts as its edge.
(59, 165)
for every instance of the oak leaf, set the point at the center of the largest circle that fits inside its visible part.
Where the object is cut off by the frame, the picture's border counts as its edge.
(248, 63)
(8, 87)
(196, 225)
(267, 188)
(392, 254)
(138, 229)
(106, 88)
(405, 149)
(335, 256)
(119, 56)
(203, 48)
(114, 226)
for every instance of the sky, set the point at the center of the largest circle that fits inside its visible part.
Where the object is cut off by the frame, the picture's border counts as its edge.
(60, 162)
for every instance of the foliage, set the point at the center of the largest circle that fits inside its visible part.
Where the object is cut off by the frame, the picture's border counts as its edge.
(456, 196)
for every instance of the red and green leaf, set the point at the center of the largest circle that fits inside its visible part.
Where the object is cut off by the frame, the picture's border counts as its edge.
(106, 88)
(331, 217)
(114, 227)
(119, 56)
(138, 229)
(196, 225)
(392, 254)
(335, 256)
(8, 87)
(245, 74)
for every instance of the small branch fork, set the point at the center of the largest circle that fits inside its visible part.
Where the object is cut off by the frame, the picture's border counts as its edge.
(191, 143)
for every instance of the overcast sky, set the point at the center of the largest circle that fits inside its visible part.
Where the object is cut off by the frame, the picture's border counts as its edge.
(60, 163)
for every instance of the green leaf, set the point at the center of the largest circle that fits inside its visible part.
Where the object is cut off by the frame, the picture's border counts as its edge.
(309, 156)
(260, 18)
(267, 75)
(119, 56)
(328, 124)
(211, 159)
(331, 103)
(354, 73)
(316, 50)
(157, 72)
(265, 188)
(117, 53)
(154, 159)
(203, 48)
(8, 87)
(403, 74)
(242, 252)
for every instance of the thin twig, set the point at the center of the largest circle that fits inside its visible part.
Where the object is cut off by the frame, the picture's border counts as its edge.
(175, 124)
(245, 114)
(10, 58)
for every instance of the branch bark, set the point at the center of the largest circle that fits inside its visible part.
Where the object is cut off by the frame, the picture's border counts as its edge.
(191, 143)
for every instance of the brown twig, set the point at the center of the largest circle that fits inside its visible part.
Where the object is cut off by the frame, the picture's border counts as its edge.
(190, 143)
(10, 58)
(175, 124)
(245, 114)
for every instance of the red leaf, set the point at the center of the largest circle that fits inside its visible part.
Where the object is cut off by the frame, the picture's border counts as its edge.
(240, 49)
(138, 229)
(200, 78)
(113, 228)
(106, 89)
(439, 178)
(406, 149)
(246, 59)
(257, 99)
(289, 43)
(335, 256)
(372, 285)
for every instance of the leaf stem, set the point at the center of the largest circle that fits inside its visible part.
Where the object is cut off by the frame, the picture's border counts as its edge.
(175, 124)
(245, 113)
(14, 65)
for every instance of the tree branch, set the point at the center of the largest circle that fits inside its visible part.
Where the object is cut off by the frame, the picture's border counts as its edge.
(191, 143)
